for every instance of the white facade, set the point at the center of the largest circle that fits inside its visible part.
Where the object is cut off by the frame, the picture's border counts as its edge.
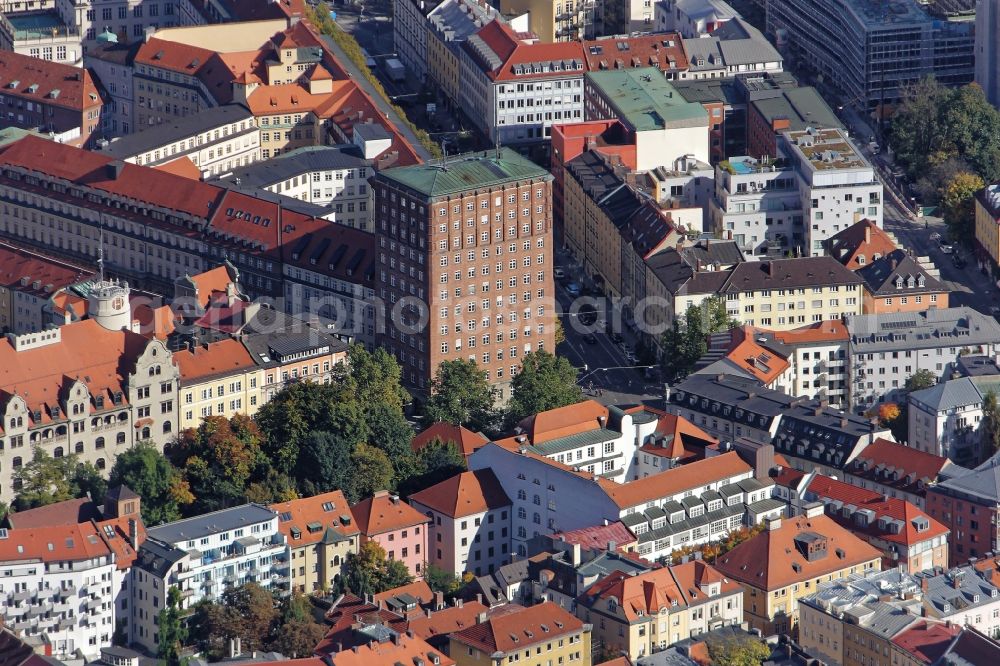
(478, 543)
(988, 48)
(692, 18)
(203, 557)
(47, 588)
(409, 34)
(757, 205)
(945, 419)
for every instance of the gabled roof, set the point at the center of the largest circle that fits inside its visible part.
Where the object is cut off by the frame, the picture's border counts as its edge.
(385, 513)
(898, 268)
(15, 652)
(310, 520)
(403, 649)
(953, 393)
(912, 466)
(466, 440)
(678, 479)
(520, 629)
(499, 52)
(57, 543)
(69, 512)
(926, 641)
(465, 494)
(663, 51)
(35, 274)
(598, 537)
(676, 437)
(825, 331)
(564, 421)
(970, 648)
(418, 589)
(862, 239)
(212, 360)
(48, 82)
(766, 560)
(788, 274)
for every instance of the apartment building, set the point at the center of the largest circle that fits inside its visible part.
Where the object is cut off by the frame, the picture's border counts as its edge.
(988, 225)
(320, 533)
(921, 643)
(819, 355)
(51, 97)
(693, 19)
(568, 499)
(622, 51)
(395, 526)
(907, 537)
(871, 55)
(203, 557)
(944, 420)
(898, 282)
(637, 615)
(335, 177)
(788, 561)
(967, 502)
(734, 48)
(812, 435)
(216, 141)
(665, 125)
(751, 353)
(541, 632)
(897, 470)
(729, 406)
(112, 64)
(861, 244)
(215, 380)
(470, 523)
(449, 25)
(886, 349)
(29, 283)
(66, 391)
(515, 91)
(987, 73)
(409, 34)
(554, 20)
(471, 239)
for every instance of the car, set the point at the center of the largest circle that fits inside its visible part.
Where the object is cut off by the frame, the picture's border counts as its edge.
(947, 249)
(874, 147)
(995, 310)
(559, 273)
(935, 236)
(630, 358)
(590, 339)
(616, 338)
(573, 288)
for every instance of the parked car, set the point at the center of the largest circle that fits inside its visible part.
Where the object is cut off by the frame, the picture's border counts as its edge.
(935, 237)
(615, 338)
(559, 273)
(947, 249)
(573, 289)
(590, 339)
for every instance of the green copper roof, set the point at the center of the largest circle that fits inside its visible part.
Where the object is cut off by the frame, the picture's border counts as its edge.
(464, 172)
(645, 100)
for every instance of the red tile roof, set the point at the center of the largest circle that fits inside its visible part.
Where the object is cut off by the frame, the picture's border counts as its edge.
(325, 510)
(926, 641)
(441, 622)
(663, 51)
(676, 437)
(759, 362)
(212, 360)
(464, 494)
(384, 513)
(519, 629)
(824, 331)
(59, 543)
(401, 650)
(768, 561)
(69, 512)
(182, 166)
(676, 480)
(58, 85)
(864, 238)
(418, 589)
(466, 440)
(565, 421)
(827, 490)
(913, 468)
(504, 43)
(18, 265)
(599, 536)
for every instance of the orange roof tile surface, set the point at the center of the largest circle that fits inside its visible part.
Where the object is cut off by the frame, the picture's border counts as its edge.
(760, 363)
(676, 437)
(464, 494)
(466, 440)
(915, 468)
(505, 43)
(214, 360)
(519, 629)
(418, 589)
(298, 519)
(444, 621)
(47, 82)
(182, 166)
(599, 537)
(925, 640)
(824, 331)
(402, 650)
(384, 513)
(564, 421)
(43, 275)
(862, 239)
(766, 560)
(678, 479)
(662, 50)
(59, 543)
(69, 512)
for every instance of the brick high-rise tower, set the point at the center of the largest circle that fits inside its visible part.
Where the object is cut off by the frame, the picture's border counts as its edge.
(466, 245)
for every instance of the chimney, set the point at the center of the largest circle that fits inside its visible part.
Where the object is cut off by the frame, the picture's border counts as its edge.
(772, 524)
(234, 647)
(481, 618)
(479, 597)
(460, 602)
(923, 583)
(868, 232)
(612, 546)
(813, 509)
(768, 268)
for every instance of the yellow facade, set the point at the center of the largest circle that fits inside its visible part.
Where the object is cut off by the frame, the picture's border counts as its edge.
(6, 310)
(568, 650)
(542, 19)
(316, 566)
(443, 65)
(785, 309)
(237, 393)
(595, 240)
(280, 133)
(987, 232)
(777, 611)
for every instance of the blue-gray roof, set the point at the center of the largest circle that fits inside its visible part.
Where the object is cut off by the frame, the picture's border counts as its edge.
(208, 524)
(949, 395)
(938, 327)
(296, 163)
(981, 483)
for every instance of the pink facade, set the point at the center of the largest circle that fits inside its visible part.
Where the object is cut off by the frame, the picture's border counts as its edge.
(397, 527)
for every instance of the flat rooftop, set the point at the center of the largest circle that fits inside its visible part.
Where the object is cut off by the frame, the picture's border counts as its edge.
(882, 12)
(645, 99)
(826, 149)
(38, 26)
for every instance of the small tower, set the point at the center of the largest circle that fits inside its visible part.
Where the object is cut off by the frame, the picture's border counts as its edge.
(108, 304)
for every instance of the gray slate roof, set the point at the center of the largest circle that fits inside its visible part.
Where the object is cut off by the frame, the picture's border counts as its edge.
(949, 395)
(296, 163)
(880, 276)
(981, 483)
(191, 529)
(166, 133)
(939, 327)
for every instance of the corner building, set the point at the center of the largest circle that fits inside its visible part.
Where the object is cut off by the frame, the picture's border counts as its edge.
(465, 264)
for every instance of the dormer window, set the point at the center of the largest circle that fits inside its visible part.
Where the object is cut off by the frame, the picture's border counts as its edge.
(899, 282)
(920, 281)
(861, 260)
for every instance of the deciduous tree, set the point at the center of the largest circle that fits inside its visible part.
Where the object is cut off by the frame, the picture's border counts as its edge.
(173, 631)
(461, 394)
(957, 204)
(46, 480)
(370, 471)
(544, 382)
(991, 423)
(369, 571)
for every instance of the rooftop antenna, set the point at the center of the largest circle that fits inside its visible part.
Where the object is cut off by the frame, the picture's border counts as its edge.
(100, 253)
(444, 153)
(498, 149)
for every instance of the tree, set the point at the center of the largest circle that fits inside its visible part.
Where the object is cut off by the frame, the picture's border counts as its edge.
(374, 377)
(443, 581)
(957, 204)
(290, 416)
(687, 340)
(173, 632)
(369, 571)
(148, 472)
(737, 651)
(325, 462)
(544, 382)
(434, 463)
(919, 380)
(888, 412)
(252, 612)
(718, 315)
(461, 394)
(991, 422)
(389, 431)
(560, 334)
(894, 417)
(47, 480)
(297, 633)
(370, 471)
